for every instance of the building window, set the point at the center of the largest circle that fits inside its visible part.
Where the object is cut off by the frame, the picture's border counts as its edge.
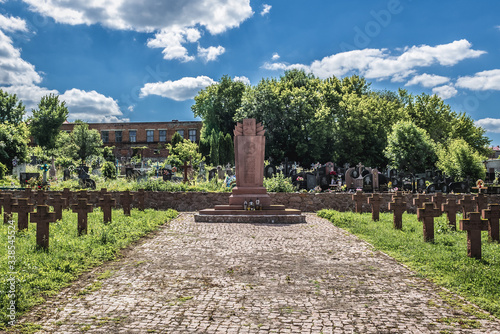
(163, 135)
(105, 136)
(181, 132)
(149, 136)
(192, 135)
(132, 136)
(118, 136)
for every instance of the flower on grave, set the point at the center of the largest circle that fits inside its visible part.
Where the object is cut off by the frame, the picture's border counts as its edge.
(333, 173)
(480, 183)
(396, 189)
(359, 189)
(389, 185)
(300, 178)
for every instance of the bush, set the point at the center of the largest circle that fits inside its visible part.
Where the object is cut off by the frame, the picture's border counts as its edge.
(279, 184)
(108, 170)
(3, 171)
(64, 162)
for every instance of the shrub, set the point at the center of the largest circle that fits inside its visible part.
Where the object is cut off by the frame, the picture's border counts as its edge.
(279, 184)
(108, 170)
(64, 162)
(3, 171)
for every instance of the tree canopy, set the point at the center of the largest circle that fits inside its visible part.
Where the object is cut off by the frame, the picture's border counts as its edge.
(14, 141)
(11, 109)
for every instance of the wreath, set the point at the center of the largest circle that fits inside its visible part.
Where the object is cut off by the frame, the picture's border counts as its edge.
(480, 183)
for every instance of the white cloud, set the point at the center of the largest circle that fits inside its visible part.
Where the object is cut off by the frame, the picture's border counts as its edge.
(498, 27)
(211, 53)
(91, 106)
(445, 92)
(489, 124)
(180, 90)
(427, 80)
(485, 80)
(243, 79)
(10, 24)
(284, 67)
(29, 94)
(275, 56)
(265, 9)
(171, 41)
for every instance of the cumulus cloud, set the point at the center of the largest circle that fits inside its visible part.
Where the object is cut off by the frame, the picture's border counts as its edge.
(427, 80)
(285, 67)
(171, 41)
(29, 94)
(485, 80)
(275, 56)
(265, 9)
(10, 24)
(489, 124)
(243, 79)
(180, 90)
(91, 106)
(382, 64)
(445, 92)
(211, 53)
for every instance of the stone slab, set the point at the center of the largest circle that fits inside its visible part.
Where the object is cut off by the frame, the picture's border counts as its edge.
(253, 219)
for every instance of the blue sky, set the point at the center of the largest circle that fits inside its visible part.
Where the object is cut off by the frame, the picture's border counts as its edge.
(129, 60)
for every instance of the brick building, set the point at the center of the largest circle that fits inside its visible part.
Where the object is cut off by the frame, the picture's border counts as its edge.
(152, 135)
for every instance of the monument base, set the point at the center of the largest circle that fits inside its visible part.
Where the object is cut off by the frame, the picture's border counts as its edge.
(287, 216)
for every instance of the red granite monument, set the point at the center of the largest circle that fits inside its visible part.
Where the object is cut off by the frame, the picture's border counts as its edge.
(249, 201)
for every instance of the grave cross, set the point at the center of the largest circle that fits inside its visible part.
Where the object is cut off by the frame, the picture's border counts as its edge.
(106, 203)
(82, 194)
(40, 197)
(23, 209)
(467, 205)
(66, 194)
(82, 208)
(140, 199)
(58, 203)
(451, 208)
(493, 215)
(359, 198)
(438, 200)
(7, 202)
(420, 200)
(42, 218)
(126, 200)
(375, 201)
(481, 202)
(474, 225)
(186, 166)
(103, 192)
(28, 193)
(426, 215)
(398, 205)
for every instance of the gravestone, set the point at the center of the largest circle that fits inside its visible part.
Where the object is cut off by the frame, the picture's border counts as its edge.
(25, 177)
(58, 202)
(474, 225)
(103, 192)
(82, 194)
(23, 209)
(438, 200)
(28, 193)
(349, 181)
(82, 209)
(269, 171)
(107, 202)
(125, 201)
(41, 197)
(211, 174)
(52, 170)
(421, 185)
(467, 204)
(68, 197)
(426, 214)
(420, 200)
(493, 216)
(220, 173)
(330, 167)
(66, 174)
(375, 200)
(140, 199)
(398, 206)
(451, 207)
(481, 202)
(7, 203)
(310, 181)
(368, 183)
(375, 180)
(42, 218)
(359, 198)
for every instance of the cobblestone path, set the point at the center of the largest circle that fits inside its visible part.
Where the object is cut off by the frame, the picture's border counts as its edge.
(244, 278)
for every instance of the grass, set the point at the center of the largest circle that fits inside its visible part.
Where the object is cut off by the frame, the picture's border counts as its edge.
(38, 273)
(443, 261)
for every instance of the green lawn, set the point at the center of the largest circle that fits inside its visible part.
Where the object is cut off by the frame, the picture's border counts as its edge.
(444, 261)
(40, 273)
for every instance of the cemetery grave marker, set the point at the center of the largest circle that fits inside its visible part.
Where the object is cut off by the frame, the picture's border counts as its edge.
(359, 198)
(107, 202)
(82, 208)
(474, 225)
(438, 200)
(41, 197)
(467, 204)
(82, 194)
(375, 200)
(493, 216)
(420, 200)
(23, 209)
(67, 195)
(426, 214)
(28, 193)
(451, 207)
(42, 218)
(140, 199)
(398, 205)
(126, 200)
(58, 202)
(481, 202)
(7, 202)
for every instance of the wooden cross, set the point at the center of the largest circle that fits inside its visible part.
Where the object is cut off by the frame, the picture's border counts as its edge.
(103, 192)
(28, 193)
(493, 215)
(42, 218)
(474, 225)
(82, 208)
(58, 203)
(438, 200)
(66, 194)
(140, 199)
(426, 215)
(467, 205)
(398, 206)
(375, 200)
(359, 198)
(40, 197)
(451, 208)
(420, 200)
(126, 200)
(7, 202)
(107, 203)
(186, 166)
(23, 209)
(481, 202)
(82, 194)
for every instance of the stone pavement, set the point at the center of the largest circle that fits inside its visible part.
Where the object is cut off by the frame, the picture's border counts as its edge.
(248, 278)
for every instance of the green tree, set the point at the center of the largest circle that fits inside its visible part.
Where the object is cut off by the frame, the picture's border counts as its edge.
(176, 139)
(107, 153)
(11, 109)
(65, 147)
(410, 148)
(214, 147)
(186, 151)
(108, 170)
(87, 142)
(14, 141)
(459, 160)
(47, 120)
